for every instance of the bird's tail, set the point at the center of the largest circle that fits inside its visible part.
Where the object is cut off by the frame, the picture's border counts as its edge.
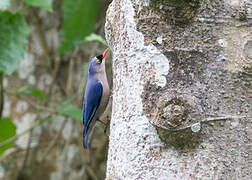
(85, 140)
(85, 143)
(86, 133)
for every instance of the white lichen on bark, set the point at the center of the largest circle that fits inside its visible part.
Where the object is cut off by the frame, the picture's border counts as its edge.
(132, 136)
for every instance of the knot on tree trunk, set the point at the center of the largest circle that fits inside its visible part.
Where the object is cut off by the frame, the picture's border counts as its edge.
(172, 115)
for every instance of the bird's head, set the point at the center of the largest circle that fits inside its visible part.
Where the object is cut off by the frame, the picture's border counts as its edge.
(97, 64)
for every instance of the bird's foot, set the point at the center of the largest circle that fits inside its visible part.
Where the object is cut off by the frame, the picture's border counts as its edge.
(101, 122)
(106, 124)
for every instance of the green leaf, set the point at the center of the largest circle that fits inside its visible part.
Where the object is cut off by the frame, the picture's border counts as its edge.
(8, 130)
(13, 39)
(46, 4)
(30, 91)
(4, 4)
(68, 109)
(95, 38)
(79, 21)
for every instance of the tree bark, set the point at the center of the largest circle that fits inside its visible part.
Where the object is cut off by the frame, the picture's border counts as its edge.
(181, 89)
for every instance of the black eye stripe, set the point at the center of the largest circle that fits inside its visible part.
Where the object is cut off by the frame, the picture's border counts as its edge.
(99, 57)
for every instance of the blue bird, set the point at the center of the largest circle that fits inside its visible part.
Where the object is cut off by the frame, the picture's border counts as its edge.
(96, 95)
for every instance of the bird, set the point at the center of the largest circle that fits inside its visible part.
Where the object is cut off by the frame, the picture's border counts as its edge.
(96, 95)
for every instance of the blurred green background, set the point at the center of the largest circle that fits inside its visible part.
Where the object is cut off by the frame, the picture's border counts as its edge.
(45, 49)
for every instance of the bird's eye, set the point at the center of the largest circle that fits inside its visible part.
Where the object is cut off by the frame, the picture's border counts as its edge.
(98, 61)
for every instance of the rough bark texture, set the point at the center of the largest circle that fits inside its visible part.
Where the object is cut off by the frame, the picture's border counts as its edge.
(53, 150)
(180, 66)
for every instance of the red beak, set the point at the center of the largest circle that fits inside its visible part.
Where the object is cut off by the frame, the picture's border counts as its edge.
(105, 52)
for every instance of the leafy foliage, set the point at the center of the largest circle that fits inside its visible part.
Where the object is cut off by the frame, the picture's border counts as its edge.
(68, 109)
(13, 39)
(79, 21)
(8, 130)
(97, 38)
(45, 4)
(30, 91)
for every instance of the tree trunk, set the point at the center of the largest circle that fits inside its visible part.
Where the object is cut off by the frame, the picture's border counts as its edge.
(181, 89)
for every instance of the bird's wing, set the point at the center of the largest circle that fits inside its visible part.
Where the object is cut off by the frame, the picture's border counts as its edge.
(92, 100)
